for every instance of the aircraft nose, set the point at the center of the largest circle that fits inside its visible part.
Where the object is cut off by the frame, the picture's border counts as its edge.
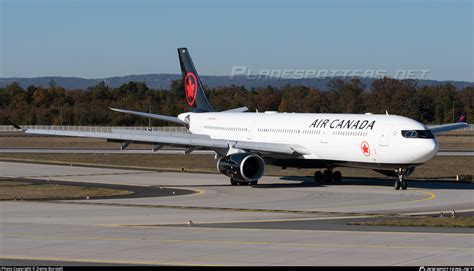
(430, 148)
(424, 150)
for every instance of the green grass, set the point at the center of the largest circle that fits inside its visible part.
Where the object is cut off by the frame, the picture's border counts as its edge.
(16, 190)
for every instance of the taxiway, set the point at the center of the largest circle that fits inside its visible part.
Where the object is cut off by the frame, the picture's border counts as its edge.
(281, 221)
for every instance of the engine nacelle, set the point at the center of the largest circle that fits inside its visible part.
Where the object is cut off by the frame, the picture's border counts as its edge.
(247, 167)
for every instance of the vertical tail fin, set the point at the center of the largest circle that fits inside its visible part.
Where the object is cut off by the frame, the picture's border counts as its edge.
(195, 96)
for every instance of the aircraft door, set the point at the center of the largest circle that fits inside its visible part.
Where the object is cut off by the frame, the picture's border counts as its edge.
(251, 131)
(385, 136)
(324, 136)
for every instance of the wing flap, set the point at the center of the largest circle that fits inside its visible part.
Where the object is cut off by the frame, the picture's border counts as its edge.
(154, 137)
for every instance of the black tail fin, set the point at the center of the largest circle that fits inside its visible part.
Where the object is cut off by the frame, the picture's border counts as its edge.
(195, 96)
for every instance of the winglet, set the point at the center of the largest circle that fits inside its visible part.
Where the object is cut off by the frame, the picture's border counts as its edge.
(462, 117)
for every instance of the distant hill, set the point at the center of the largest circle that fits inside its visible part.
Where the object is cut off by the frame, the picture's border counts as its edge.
(163, 81)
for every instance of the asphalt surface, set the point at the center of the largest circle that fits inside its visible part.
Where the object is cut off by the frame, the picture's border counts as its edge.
(281, 221)
(334, 224)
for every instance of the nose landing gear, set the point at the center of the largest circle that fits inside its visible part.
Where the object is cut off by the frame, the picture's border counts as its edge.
(401, 182)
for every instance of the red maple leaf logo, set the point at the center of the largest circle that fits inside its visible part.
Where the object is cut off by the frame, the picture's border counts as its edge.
(365, 148)
(190, 87)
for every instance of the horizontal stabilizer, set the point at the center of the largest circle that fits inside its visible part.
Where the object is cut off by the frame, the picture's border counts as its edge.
(14, 124)
(237, 110)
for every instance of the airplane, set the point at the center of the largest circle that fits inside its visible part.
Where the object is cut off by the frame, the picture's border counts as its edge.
(245, 141)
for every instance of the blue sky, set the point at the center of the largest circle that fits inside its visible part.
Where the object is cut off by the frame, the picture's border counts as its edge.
(100, 38)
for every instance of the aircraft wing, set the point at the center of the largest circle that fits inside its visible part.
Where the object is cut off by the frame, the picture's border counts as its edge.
(447, 127)
(179, 139)
(149, 115)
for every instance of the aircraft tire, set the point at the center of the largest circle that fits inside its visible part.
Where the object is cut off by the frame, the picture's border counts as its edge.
(337, 177)
(318, 177)
(327, 176)
(404, 185)
(398, 184)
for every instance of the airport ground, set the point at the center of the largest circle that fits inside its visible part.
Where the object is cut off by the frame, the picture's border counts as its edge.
(284, 220)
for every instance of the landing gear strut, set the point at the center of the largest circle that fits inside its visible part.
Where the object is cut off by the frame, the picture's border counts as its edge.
(401, 182)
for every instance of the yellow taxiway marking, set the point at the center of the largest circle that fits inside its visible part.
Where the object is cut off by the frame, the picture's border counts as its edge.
(286, 230)
(230, 209)
(250, 221)
(98, 261)
(233, 242)
(431, 196)
(199, 208)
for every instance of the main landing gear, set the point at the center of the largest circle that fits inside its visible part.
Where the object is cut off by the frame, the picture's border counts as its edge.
(238, 183)
(328, 176)
(401, 182)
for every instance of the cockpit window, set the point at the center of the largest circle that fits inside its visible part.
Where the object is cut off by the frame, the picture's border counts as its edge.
(417, 134)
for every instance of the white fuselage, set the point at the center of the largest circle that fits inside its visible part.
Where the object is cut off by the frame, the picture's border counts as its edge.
(358, 138)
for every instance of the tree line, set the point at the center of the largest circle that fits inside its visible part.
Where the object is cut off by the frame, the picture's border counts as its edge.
(54, 105)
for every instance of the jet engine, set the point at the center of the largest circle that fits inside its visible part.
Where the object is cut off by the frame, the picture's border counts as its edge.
(247, 167)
